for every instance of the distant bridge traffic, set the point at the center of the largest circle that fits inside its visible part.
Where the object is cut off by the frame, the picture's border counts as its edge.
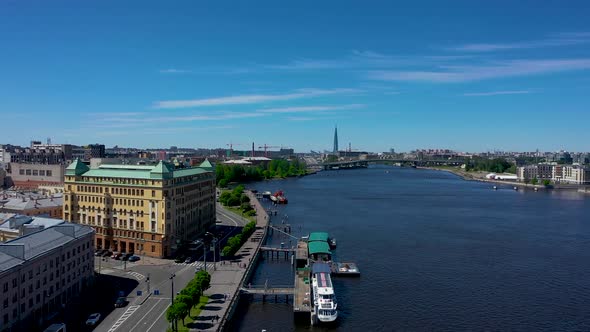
(409, 162)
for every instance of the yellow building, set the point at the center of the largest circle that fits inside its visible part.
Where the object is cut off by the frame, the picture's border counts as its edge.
(148, 210)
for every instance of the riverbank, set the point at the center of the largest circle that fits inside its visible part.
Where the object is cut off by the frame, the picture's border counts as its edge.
(480, 176)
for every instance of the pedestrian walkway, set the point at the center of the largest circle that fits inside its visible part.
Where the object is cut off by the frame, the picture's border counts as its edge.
(198, 264)
(137, 275)
(227, 280)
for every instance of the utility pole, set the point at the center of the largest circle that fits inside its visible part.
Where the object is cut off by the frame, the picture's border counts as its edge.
(205, 255)
(148, 283)
(214, 254)
(172, 284)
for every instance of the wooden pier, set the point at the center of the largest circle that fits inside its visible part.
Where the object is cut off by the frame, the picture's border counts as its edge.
(277, 252)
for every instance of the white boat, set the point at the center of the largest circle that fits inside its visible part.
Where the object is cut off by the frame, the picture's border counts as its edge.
(324, 299)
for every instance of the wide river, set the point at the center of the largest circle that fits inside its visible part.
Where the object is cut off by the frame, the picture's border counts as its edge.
(436, 253)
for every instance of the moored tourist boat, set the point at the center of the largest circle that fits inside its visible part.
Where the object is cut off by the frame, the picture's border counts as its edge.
(324, 298)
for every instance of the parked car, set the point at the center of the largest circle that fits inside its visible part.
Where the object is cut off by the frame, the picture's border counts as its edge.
(189, 259)
(134, 258)
(107, 253)
(121, 302)
(99, 252)
(118, 255)
(93, 319)
(126, 256)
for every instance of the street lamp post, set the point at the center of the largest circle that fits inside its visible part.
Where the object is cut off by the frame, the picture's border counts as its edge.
(205, 256)
(172, 296)
(214, 254)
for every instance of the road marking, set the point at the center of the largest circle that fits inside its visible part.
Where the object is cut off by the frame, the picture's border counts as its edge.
(138, 276)
(124, 317)
(147, 313)
(157, 319)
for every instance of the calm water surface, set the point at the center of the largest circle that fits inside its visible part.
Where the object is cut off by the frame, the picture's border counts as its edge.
(436, 253)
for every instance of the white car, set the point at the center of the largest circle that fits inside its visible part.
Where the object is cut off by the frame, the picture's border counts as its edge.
(93, 319)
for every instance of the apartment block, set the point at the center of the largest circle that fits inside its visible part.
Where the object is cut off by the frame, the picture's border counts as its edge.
(147, 209)
(42, 271)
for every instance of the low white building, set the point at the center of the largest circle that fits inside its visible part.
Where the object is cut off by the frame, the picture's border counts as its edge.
(576, 174)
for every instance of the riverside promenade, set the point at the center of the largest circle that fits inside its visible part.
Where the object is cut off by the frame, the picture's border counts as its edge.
(229, 277)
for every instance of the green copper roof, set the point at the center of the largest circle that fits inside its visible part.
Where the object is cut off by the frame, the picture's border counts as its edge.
(158, 172)
(318, 247)
(318, 236)
(77, 168)
(206, 164)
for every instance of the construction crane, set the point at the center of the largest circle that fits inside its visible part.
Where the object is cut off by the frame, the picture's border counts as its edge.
(266, 147)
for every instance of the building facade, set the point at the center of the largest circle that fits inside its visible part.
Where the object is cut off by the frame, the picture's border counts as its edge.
(30, 175)
(557, 173)
(149, 210)
(576, 174)
(42, 271)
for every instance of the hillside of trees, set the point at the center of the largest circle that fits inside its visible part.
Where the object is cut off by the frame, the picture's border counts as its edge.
(278, 168)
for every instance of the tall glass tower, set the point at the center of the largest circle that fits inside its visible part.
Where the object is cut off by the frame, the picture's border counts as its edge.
(335, 140)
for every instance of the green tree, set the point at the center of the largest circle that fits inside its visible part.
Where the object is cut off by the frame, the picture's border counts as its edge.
(224, 197)
(546, 182)
(534, 181)
(233, 201)
(222, 183)
(172, 315)
(182, 310)
(244, 198)
(186, 299)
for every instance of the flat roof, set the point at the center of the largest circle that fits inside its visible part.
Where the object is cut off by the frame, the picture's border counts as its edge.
(318, 247)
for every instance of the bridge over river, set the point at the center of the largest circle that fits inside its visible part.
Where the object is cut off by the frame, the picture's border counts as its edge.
(408, 162)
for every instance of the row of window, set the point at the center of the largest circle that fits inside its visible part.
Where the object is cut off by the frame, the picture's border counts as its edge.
(64, 256)
(35, 172)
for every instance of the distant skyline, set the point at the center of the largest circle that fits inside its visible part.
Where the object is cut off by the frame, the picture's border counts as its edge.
(463, 75)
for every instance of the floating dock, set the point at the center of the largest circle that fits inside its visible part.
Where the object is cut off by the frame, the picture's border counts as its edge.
(345, 269)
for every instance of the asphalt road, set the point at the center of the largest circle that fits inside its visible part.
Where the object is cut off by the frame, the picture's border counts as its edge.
(149, 316)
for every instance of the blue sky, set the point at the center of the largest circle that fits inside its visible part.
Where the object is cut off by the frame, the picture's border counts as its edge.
(465, 75)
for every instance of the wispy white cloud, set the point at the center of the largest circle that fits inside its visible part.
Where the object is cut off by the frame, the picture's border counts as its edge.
(305, 109)
(298, 118)
(251, 99)
(454, 74)
(495, 93)
(561, 39)
(174, 71)
(147, 118)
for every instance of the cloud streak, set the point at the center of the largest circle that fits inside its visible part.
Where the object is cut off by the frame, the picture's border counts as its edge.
(306, 109)
(174, 71)
(457, 74)
(562, 39)
(250, 99)
(496, 93)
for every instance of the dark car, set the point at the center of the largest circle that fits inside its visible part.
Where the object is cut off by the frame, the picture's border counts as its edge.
(179, 259)
(106, 253)
(99, 252)
(126, 256)
(134, 258)
(121, 302)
